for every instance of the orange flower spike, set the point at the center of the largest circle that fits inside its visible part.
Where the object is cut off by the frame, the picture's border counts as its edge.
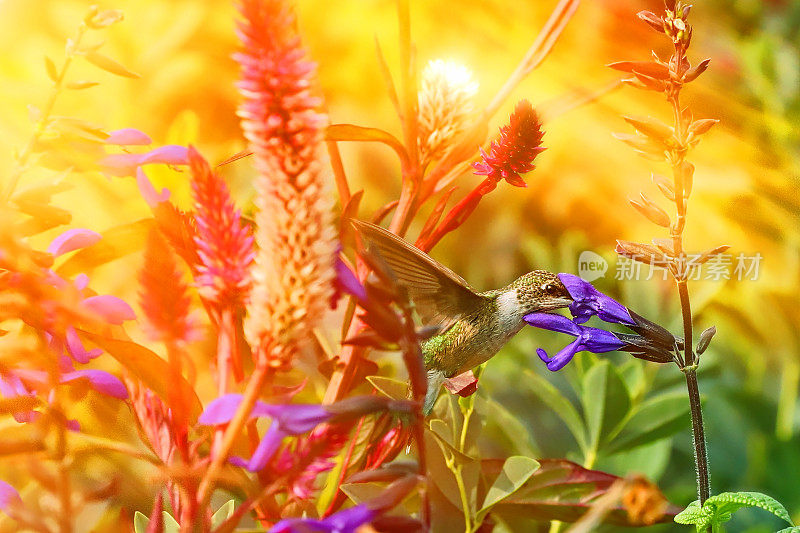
(294, 265)
(164, 295)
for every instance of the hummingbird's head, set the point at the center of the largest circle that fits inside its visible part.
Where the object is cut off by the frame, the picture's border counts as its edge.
(540, 291)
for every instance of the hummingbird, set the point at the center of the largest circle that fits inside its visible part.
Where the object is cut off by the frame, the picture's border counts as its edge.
(472, 326)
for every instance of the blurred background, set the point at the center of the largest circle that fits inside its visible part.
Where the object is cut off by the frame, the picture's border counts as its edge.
(746, 192)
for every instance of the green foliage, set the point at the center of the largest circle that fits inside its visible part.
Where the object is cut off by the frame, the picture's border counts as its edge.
(718, 509)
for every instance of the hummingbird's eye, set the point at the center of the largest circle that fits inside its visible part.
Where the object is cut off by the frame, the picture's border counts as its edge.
(551, 288)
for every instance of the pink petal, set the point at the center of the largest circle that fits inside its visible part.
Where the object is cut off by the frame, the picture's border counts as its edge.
(77, 350)
(72, 240)
(127, 137)
(171, 154)
(114, 310)
(147, 190)
(121, 164)
(81, 281)
(8, 496)
(100, 381)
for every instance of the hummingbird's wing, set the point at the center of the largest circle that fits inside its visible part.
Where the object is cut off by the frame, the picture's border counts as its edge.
(440, 295)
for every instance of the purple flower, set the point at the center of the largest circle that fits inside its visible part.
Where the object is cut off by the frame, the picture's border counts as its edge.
(127, 137)
(588, 302)
(126, 164)
(345, 521)
(113, 310)
(291, 419)
(586, 338)
(148, 192)
(72, 240)
(8, 496)
(347, 282)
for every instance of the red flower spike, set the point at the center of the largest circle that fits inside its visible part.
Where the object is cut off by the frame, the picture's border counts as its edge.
(513, 152)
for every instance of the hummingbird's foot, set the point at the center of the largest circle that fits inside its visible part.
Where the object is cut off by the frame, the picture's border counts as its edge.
(435, 380)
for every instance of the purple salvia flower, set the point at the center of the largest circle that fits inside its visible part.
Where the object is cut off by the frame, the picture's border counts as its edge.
(148, 191)
(128, 137)
(291, 419)
(586, 338)
(72, 239)
(347, 282)
(345, 521)
(588, 302)
(126, 164)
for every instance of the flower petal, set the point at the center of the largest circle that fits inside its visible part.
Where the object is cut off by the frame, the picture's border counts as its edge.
(295, 419)
(120, 164)
(552, 322)
(171, 154)
(148, 192)
(348, 282)
(564, 356)
(589, 301)
(114, 310)
(72, 240)
(266, 448)
(76, 348)
(100, 380)
(127, 137)
(222, 409)
(600, 341)
(8, 496)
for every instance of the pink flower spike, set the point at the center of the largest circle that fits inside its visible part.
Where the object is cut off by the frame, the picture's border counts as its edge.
(114, 310)
(72, 240)
(171, 154)
(100, 381)
(128, 137)
(77, 350)
(148, 192)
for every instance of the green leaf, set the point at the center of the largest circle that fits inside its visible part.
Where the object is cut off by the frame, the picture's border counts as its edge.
(655, 419)
(793, 529)
(728, 502)
(393, 388)
(170, 524)
(516, 471)
(109, 65)
(140, 522)
(605, 402)
(223, 513)
(560, 405)
(718, 508)
(693, 514)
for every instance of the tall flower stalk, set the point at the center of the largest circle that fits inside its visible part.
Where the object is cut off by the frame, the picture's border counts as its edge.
(671, 143)
(295, 237)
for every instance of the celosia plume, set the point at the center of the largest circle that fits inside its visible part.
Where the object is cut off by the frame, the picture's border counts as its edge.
(445, 102)
(164, 295)
(513, 152)
(294, 265)
(224, 246)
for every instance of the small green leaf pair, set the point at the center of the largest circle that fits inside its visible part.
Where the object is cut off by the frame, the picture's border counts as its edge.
(718, 509)
(140, 521)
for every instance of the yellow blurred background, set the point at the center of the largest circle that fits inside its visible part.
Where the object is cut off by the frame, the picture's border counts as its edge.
(747, 183)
